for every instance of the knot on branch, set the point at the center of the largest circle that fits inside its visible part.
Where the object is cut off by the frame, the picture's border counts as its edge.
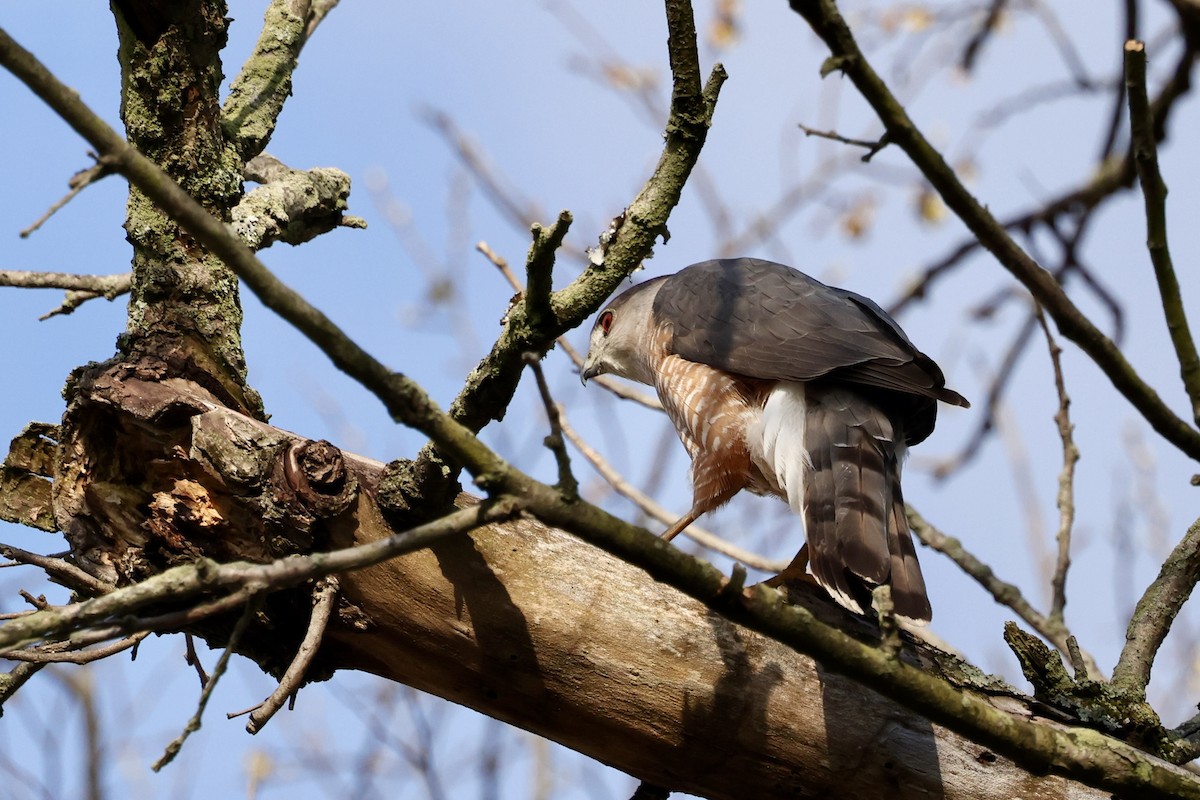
(412, 492)
(316, 472)
(1097, 704)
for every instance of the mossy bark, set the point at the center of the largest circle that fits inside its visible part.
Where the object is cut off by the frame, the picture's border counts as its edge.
(184, 311)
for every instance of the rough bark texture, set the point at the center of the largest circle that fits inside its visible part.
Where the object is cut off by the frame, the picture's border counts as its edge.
(184, 305)
(519, 620)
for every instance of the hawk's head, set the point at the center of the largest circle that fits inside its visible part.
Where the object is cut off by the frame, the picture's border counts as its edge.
(619, 343)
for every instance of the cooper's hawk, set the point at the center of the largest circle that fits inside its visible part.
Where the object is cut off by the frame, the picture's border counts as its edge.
(781, 385)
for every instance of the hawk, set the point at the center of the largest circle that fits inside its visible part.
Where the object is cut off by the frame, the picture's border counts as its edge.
(781, 385)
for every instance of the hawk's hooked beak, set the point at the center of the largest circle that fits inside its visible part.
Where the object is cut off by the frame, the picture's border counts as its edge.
(591, 368)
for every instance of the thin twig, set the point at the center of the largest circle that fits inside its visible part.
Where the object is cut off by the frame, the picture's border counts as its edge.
(78, 182)
(58, 654)
(1006, 594)
(653, 509)
(108, 286)
(987, 26)
(324, 596)
(1066, 478)
(554, 442)
(872, 147)
(616, 387)
(172, 620)
(64, 572)
(827, 21)
(193, 724)
(1154, 190)
(192, 658)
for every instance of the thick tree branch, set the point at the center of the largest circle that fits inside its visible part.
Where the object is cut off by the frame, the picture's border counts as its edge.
(1154, 190)
(827, 22)
(291, 205)
(257, 94)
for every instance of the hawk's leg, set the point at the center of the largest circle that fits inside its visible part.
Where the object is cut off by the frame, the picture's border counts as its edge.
(797, 570)
(716, 478)
(681, 523)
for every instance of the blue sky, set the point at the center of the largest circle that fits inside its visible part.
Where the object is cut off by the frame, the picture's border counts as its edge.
(522, 80)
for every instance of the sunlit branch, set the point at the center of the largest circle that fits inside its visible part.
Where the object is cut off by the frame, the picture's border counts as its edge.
(827, 22)
(1004, 593)
(1156, 611)
(324, 598)
(1066, 480)
(1154, 190)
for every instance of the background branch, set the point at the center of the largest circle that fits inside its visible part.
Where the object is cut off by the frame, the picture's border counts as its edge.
(827, 22)
(1154, 190)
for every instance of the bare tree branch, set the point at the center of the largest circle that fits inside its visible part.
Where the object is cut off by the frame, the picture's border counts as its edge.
(1154, 190)
(193, 724)
(1054, 630)
(79, 181)
(1156, 611)
(827, 22)
(1066, 482)
(257, 94)
(324, 597)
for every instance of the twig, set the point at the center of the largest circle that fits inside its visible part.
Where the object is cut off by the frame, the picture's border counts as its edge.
(64, 572)
(1006, 594)
(172, 620)
(324, 596)
(193, 724)
(1154, 190)
(554, 442)
(1156, 611)
(539, 265)
(872, 147)
(616, 387)
(10, 682)
(108, 286)
(653, 509)
(987, 26)
(827, 22)
(192, 658)
(1066, 479)
(995, 393)
(80, 288)
(58, 654)
(78, 182)
(181, 584)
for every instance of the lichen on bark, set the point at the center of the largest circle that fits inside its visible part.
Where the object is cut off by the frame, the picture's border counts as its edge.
(184, 306)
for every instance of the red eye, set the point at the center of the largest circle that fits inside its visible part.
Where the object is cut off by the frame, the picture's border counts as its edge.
(606, 320)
